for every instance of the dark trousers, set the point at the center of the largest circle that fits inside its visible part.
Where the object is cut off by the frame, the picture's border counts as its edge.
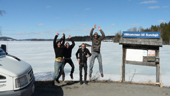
(85, 71)
(69, 61)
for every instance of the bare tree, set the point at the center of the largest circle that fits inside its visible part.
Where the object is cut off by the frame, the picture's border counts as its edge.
(132, 29)
(140, 29)
(129, 29)
(118, 35)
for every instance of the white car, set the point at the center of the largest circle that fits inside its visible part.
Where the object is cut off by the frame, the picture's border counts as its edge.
(16, 76)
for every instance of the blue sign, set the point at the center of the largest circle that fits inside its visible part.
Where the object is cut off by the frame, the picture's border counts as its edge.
(129, 34)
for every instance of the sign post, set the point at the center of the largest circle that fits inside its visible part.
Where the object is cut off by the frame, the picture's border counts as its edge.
(141, 48)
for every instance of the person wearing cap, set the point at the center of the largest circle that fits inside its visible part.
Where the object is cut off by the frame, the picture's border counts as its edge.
(96, 44)
(67, 56)
(82, 54)
(58, 64)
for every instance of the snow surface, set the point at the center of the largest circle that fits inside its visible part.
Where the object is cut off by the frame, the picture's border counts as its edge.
(40, 55)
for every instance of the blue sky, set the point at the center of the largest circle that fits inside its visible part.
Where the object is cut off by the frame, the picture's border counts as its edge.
(25, 19)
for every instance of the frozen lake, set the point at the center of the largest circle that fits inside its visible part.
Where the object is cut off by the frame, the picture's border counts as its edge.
(40, 55)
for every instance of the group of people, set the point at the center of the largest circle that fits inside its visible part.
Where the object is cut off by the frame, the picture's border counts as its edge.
(63, 55)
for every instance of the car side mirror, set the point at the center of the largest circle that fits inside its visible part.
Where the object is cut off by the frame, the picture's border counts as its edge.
(4, 48)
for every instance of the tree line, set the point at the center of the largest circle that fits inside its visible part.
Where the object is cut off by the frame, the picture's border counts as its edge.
(163, 28)
(75, 38)
(87, 38)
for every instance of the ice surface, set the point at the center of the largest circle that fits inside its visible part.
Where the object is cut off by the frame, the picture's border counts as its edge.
(40, 55)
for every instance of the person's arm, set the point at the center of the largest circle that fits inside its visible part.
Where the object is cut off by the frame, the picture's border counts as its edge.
(91, 32)
(101, 31)
(73, 43)
(77, 54)
(54, 41)
(78, 58)
(88, 52)
(63, 39)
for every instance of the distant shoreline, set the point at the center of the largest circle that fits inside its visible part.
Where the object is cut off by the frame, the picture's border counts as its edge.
(75, 38)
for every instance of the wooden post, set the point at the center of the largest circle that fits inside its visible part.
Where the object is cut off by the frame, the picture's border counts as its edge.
(157, 67)
(157, 72)
(123, 64)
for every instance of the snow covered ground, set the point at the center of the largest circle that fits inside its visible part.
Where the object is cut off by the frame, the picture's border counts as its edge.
(40, 55)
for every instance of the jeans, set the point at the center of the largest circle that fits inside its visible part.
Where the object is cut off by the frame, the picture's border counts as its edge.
(99, 57)
(58, 69)
(69, 61)
(85, 71)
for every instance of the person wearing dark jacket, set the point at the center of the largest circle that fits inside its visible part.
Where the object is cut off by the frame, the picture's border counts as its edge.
(96, 44)
(67, 56)
(59, 53)
(82, 54)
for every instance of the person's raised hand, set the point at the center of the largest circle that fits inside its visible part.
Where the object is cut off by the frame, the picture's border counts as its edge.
(69, 36)
(57, 34)
(99, 28)
(63, 36)
(94, 26)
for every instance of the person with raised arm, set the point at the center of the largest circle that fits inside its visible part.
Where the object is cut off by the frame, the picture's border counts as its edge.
(67, 56)
(96, 44)
(59, 53)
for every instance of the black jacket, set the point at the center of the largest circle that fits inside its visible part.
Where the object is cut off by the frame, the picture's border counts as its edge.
(80, 54)
(58, 51)
(68, 51)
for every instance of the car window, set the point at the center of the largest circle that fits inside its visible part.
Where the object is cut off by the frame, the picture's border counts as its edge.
(2, 53)
(2, 77)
